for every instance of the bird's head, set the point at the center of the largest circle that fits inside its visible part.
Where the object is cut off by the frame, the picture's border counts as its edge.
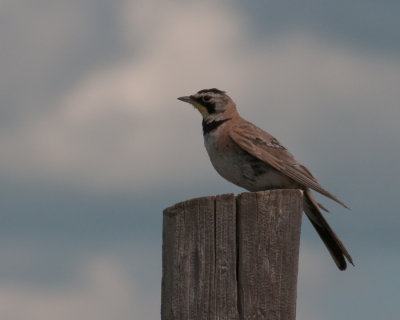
(211, 103)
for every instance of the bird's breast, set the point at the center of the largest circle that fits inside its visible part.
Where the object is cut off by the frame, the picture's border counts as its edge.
(239, 167)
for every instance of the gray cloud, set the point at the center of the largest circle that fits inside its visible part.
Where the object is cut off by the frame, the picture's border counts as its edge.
(104, 291)
(122, 127)
(47, 47)
(368, 25)
(94, 143)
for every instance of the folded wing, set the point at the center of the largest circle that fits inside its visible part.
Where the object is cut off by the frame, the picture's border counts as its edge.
(265, 147)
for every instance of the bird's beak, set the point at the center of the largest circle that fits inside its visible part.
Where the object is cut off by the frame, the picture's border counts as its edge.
(187, 99)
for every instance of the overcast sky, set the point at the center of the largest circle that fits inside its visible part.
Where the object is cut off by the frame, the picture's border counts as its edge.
(95, 145)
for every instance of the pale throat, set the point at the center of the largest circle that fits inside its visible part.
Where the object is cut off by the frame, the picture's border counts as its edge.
(201, 109)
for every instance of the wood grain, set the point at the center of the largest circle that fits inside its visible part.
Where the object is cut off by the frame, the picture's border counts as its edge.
(228, 257)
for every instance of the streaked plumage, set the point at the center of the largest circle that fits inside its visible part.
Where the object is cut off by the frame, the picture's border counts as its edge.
(253, 159)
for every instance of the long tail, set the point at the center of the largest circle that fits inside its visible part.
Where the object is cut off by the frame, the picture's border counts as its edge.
(328, 236)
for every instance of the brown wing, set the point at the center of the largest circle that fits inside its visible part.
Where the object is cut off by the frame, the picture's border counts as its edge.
(265, 147)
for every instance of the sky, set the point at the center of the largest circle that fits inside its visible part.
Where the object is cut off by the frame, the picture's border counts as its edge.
(95, 145)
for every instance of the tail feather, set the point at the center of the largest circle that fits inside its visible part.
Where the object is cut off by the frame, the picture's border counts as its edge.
(328, 236)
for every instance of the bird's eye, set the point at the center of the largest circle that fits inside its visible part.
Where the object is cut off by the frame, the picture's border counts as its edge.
(206, 98)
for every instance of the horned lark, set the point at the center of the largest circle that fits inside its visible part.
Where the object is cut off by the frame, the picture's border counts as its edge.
(253, 159)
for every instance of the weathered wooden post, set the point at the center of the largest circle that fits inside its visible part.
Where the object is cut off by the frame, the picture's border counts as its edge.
(228, 257)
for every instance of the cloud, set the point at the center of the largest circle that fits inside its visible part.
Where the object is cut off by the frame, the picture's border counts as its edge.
(47, 48)
(103, 291)
(95, 86)
(370, 26)
(313, 274)
(122, 127)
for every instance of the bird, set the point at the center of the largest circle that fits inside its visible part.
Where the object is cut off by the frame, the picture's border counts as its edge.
(253, 159)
